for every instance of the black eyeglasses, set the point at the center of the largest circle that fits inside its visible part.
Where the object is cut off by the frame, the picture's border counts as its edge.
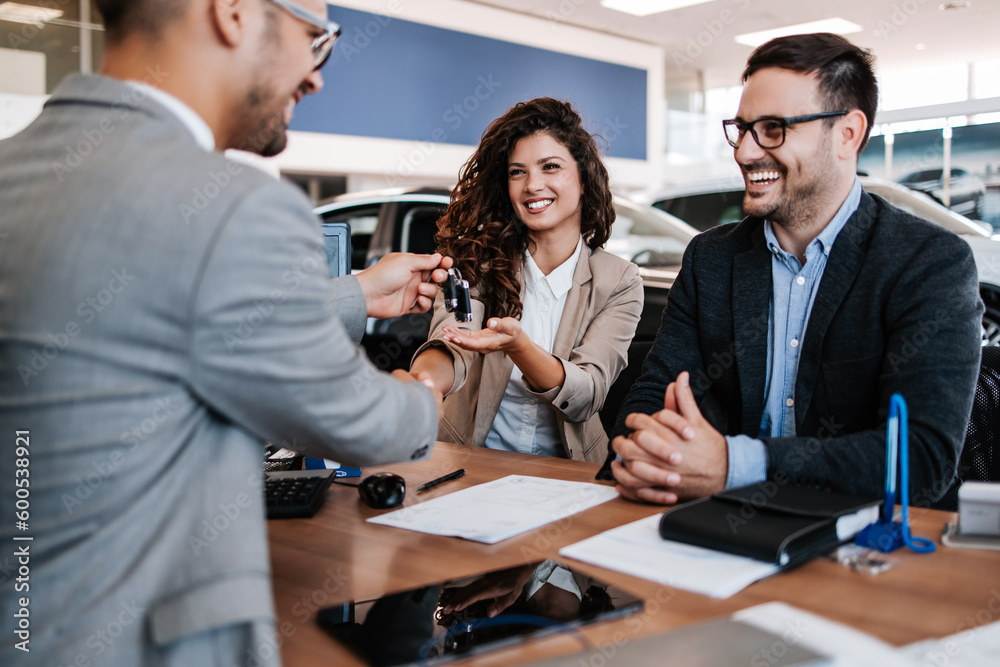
(322, 46)
(768, 132)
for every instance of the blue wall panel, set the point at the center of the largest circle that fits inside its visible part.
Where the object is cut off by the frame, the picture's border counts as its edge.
(397, 79)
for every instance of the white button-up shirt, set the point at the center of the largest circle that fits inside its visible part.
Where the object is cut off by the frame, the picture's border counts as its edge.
(524, 423)
(189, 117)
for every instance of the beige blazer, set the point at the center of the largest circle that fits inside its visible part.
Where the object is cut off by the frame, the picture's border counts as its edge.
(599, 319)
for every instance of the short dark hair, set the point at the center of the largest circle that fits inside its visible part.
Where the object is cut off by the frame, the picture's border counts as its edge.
(846, 72)
(480, 228)
(124, 17)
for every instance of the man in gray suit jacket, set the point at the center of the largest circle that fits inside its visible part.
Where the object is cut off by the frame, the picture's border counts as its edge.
(163, 312)
(786, 334)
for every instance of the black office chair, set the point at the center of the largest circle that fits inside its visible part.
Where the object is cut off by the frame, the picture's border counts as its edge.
(980, 460)
(637, 351)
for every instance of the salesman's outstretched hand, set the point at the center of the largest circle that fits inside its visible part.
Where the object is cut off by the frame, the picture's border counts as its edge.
(672, 455)
(402, 283)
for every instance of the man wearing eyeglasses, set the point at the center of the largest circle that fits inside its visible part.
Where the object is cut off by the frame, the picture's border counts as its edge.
(165, 311)
(786, 334)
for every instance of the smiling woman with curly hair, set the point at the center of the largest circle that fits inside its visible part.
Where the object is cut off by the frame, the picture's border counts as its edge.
(525, 225)
(481, 228)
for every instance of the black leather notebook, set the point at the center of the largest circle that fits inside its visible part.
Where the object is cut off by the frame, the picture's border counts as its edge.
(784, 525)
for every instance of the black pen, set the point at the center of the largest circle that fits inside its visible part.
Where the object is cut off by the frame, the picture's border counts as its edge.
(441, 480)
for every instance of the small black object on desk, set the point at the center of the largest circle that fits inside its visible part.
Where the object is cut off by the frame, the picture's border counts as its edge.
(382, 490)
(441, 480)
(295, 494)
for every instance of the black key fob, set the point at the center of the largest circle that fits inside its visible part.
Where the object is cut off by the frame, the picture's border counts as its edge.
(456, 296)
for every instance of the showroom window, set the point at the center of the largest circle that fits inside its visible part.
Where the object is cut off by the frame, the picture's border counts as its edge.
(41, 41)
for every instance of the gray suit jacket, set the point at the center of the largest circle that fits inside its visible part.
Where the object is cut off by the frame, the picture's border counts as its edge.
(897, 310)
(598, 322)
(163, 312)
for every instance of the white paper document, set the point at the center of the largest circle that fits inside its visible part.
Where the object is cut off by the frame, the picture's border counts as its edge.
(845, 646)
(637, 549)
(499, 509)
(979, 646)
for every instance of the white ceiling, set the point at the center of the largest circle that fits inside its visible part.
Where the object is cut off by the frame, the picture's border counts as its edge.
(903, 34)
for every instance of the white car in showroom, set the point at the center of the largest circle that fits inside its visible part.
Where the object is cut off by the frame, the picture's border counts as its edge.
(405, 219)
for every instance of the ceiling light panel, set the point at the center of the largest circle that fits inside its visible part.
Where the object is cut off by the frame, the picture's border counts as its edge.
(648, 7)
(838, 26)
(18, 13)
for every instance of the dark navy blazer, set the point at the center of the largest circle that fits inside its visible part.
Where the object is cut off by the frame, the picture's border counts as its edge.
(898, 310)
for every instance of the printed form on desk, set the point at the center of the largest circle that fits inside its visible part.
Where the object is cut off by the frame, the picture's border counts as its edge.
(773, 634)
(637, 549)
(845, 646)
(979, 646)
(496, 510)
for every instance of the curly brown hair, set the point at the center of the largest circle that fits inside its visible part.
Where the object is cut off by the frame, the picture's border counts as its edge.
(480, 229)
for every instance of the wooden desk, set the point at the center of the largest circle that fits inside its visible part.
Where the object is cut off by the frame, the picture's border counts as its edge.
(336, 557)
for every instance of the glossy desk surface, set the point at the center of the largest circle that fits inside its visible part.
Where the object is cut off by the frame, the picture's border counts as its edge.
(336, 556)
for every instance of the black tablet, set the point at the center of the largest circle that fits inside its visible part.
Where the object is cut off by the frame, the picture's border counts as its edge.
(455, 619)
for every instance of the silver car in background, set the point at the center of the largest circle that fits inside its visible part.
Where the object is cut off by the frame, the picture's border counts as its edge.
(708, 203)
(966, 192)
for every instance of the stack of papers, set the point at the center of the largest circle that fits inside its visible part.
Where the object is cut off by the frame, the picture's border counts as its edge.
(637, 549)
(976, 647)
(845, 646)
(773, 634)
(499, 509)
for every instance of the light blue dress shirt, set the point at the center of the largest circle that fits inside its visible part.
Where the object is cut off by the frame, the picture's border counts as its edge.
(792, 297)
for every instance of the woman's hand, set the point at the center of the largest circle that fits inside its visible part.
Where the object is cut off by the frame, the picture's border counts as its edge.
(541, 370)
(500, 335)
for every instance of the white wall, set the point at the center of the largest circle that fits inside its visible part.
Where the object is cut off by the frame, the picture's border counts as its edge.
(22, 72)
(385, 162)
(17, 111)
(22, 89)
